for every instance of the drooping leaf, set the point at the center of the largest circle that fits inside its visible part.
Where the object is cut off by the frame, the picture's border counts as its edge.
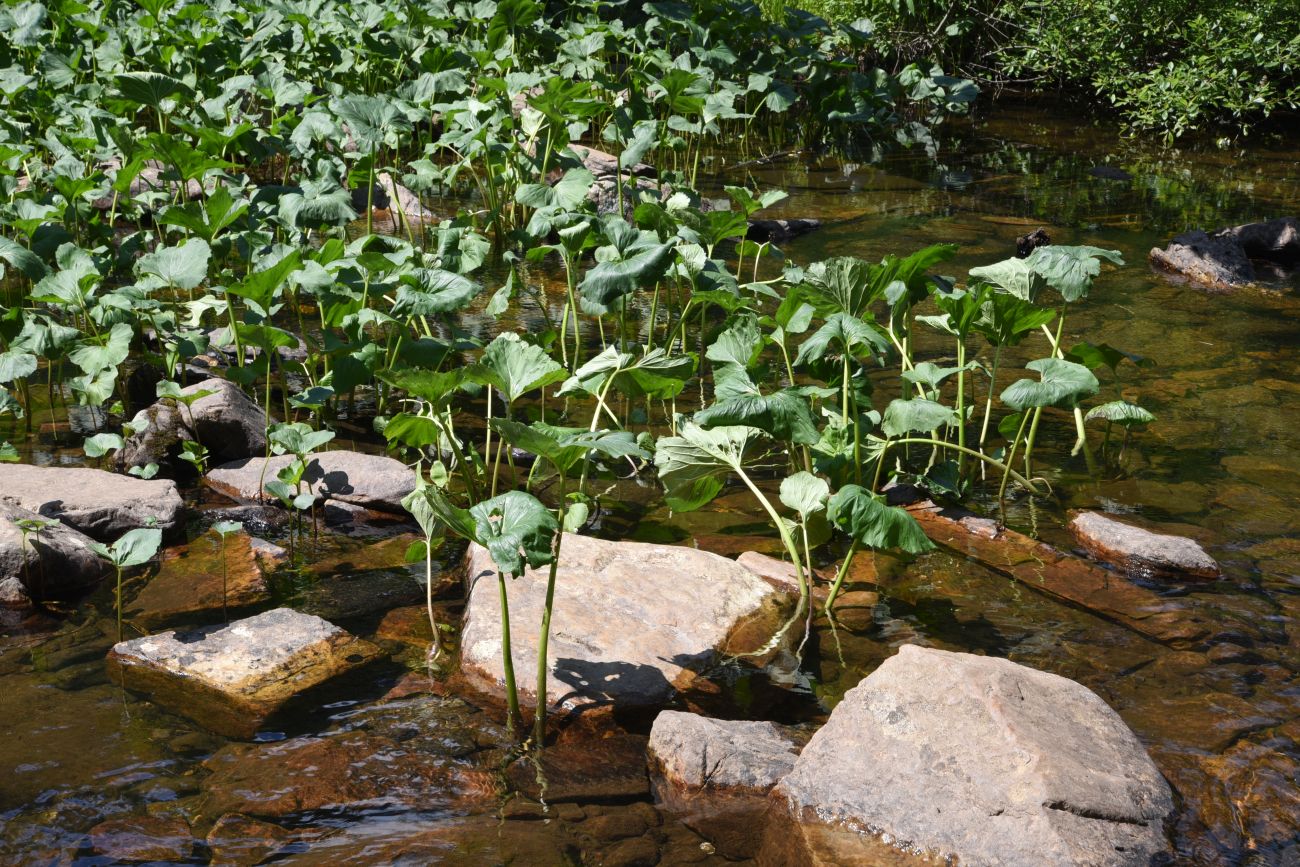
(693, 465)
(184, 266)
(1070, 270)
(516, 529)
(865, 517)
(804, 493)
(515, 368)
(917, 414)
(1121, 412)
(849, 333)
(16, 365)
(1062, 384)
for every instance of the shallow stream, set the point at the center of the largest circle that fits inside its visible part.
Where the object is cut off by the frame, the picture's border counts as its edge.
(1221, 464)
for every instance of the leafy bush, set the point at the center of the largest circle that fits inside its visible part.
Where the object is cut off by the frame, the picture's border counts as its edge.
(1171, 66)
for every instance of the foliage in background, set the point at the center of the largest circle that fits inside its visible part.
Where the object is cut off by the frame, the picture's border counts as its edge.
(1171, 67)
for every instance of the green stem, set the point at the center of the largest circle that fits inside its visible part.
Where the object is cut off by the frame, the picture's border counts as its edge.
(507, 661)
(926, 441)
(840, 575)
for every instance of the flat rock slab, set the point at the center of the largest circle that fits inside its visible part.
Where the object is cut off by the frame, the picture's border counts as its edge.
(977, 760)
(50, 560)
(595, 770)
(1141, 552)
(230, 679)
(371, 481)
(188, 586)
(632, 623)
(100, 504)
(1054, 573)
(715, 775)
(143, 839)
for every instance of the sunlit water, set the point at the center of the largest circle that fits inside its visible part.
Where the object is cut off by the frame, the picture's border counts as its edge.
(1220, 464)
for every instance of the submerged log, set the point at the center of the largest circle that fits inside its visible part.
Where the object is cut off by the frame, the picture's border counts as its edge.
(1053, 572)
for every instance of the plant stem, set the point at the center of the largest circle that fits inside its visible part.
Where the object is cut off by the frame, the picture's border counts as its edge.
(507, 661)
(839, 576)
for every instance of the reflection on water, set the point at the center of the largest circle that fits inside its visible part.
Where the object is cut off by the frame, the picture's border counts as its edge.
(1222, 719)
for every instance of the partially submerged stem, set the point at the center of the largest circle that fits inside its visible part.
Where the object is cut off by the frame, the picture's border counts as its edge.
(507, 662)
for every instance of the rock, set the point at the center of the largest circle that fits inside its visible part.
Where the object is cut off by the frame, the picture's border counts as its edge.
(100, 504)
(468, 841)
(602, 164)
(150, 180)
(715, 775)
(347, 770)
(269, 555)
(1212, 260)
(1276, 241)
(634, 852)
(632, 623)
(230, 679)
(53, 562)
(143, 838)
(188, 584)
(371, 481)
(977, 760)
(227, 422)
(238, 841)
(1028, 243)
(591, 770)
(408, 624)
(13, 595)
(780, 231)
(395, 207)
(779, 574)
(1141, 552)
(614, 826)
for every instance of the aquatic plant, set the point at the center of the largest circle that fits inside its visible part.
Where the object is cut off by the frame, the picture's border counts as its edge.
(132, 548)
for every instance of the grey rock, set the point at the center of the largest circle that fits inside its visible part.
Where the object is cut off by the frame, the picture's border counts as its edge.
(54, 562)
(1211, 260)
(149, 181)
(977, 760)
(13, 595)
(227, 422)
(1273, 240)
(633, 623)
(780, 231)
(1141, 552)
(101, 504)
(371, 481)
(230, 679)
(715, 775)
(602, 164)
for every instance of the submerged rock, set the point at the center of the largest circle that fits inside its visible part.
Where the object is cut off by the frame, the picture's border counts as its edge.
(1222, 259)
(591, 770)
(100, 504)
(230, 679)
(371, 481)
(52, 562)
(780, 231)
(189, 581)
(143, 839)
(227, 422)
(715, 775)
(974, 759)
(239, 840)
(1031, 241)
(633, 623)
(1141, 552)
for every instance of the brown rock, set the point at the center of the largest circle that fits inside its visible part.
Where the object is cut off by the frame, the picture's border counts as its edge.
(230, 679)
(1211, 260)
(143, 838)
(240, 841)
(614, 826)
(636, 852)
(780, 574)
(1141, 552)
(610, 769)
(189, 581)
(52, 562)
(227, 422)
(409, 625)
(633, 623)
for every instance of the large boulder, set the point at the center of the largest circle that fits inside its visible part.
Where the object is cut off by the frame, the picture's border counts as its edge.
(227, 422)
(715, 775)
(100, 504)
(370, 481)
(1275, 241)
(1141, 552)
(51, 561)
(633, 623)
(978, 760)
(232, 678)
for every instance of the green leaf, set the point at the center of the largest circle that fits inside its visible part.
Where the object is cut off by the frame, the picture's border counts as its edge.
(27, 262)
(8, 454)
(866, 518)
(16, 365)
(567, 194)
(785, 415)
(804, 493)
(225, 528)
(101, 444)
(151, 88)
(1062, 384)
(133, 548)
(516, 529)
(565, 447)
(1070, 270)
(1122, 413)
(515, 368)
(433, 292)
(849, 333)
(1014, 276)
(1093, 356)
(94, 358)
(917, 414)
(693, 466)
(1007, 319)
(181, 267)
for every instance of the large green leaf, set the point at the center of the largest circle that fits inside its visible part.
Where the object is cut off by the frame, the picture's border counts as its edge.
(1121, 412)
(567, 194)
(804, 493)
(184, 266)
(27, 262)
(917, 414)
(866, 518)
(1006, 319)
(784, 415)
(132, 548)
(565, 447)
(1070, 270)
(151, 88)
(655, 374)
(1014, 276)
(16, 365)
(693, 465)
(849, 333)
(633, 259)
(517, 530)
(93, 357)
(1062, 384)
(433, 291)
(515, 368)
